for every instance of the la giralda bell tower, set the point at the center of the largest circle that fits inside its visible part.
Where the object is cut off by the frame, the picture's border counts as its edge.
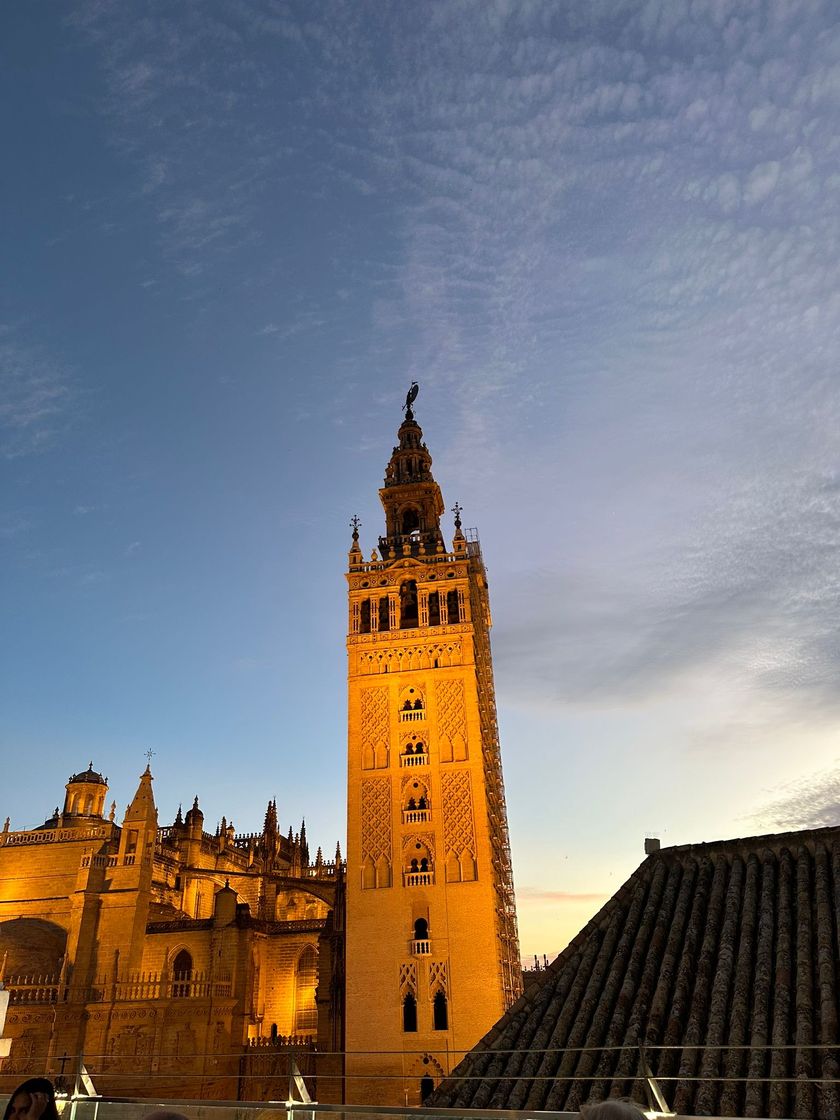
(432, 947)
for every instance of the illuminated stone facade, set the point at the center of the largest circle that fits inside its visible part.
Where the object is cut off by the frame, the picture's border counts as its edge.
(432, 949)
(176, 961)
(184, 963)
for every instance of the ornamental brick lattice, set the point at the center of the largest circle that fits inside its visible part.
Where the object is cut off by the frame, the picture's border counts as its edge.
(452, 724)
(375, 728)
(437, 978)
(458, 824)
(376, 818)
(408, 979)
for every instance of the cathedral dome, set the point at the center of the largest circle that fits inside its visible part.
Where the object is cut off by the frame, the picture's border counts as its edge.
(89, 777)
(85, 795)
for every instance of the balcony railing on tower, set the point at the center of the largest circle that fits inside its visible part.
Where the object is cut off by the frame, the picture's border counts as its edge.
(418, 878)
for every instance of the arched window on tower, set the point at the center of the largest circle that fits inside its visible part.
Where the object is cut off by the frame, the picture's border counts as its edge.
(384, 614)
(421, 930)
(364, 617)
(409, 1014)
(408, 604)
(410, 521)
(182, 968)
(434, 608)
(440, 1015)
(452, 606)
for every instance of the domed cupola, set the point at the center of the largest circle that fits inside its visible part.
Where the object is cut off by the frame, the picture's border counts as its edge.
(194, 820)
(85, 796)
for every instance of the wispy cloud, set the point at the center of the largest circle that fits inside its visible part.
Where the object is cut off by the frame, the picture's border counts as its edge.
(35, 395)
(810, 802)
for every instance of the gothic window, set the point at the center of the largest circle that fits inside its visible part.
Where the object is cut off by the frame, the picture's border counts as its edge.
(409, 1014)
(427, 1087)
(182, 968)
(434, 609)
(364, 617)
(384, 614)
(452, 606)
(368, 874)
(408, 604)
(306, 979)
(440, 1013)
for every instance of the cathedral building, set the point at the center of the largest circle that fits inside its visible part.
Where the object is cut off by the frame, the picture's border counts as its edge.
(180, 962)
(432, 946)
(173, 961)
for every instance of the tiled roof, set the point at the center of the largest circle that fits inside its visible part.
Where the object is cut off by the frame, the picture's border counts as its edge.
(721, 958)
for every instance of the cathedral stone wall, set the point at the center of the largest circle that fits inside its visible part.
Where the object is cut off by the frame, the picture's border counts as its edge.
(172, 961)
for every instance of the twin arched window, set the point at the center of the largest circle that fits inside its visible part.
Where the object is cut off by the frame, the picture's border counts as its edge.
(440, 1012)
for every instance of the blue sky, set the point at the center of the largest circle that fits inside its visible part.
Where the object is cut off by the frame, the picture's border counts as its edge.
(602, 236)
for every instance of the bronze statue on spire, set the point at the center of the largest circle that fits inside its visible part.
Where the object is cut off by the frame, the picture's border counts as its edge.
(410, 398)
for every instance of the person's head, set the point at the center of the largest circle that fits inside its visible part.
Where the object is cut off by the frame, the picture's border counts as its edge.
(612, 1109)
(33, 1100)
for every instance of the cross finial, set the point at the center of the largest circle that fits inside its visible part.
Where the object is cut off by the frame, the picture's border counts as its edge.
(457, 510)
(354, 525)
(150, 754)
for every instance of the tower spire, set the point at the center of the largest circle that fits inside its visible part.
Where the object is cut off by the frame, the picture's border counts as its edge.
(410, 496)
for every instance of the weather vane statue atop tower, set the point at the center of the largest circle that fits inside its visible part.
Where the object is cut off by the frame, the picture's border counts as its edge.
(410, 398)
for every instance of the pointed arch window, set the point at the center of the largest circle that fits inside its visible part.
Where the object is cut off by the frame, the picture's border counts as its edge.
(440, 1012)
(409, 1014)
(306, 980)
(182, 968)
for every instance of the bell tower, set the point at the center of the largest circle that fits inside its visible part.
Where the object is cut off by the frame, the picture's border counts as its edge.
(432, 946)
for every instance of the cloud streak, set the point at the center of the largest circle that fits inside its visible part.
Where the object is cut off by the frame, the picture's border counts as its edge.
(35, 396)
